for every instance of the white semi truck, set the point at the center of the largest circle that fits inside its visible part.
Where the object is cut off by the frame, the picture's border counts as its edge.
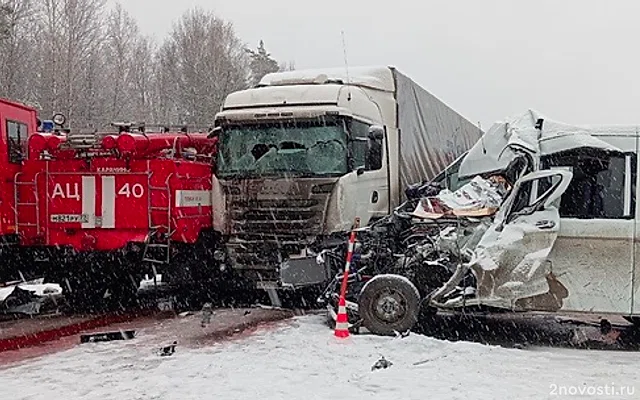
(304, 153)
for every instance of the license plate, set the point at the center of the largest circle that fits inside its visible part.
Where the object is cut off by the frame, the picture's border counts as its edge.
(70, 218)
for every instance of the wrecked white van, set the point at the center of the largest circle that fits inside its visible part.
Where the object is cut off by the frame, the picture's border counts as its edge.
(564, 239)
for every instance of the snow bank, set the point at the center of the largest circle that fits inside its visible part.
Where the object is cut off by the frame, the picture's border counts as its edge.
(303, 361)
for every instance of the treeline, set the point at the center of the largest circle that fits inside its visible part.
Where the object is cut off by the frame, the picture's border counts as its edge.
(92, 63)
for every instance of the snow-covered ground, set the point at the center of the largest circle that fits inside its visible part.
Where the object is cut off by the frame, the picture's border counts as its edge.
(300, 359)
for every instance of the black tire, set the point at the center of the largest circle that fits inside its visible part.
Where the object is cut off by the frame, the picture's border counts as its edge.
(634, 320)
(389, 304)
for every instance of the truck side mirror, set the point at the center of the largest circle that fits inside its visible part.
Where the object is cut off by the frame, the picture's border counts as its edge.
(374, 148)
(376, 132)
(215, 132)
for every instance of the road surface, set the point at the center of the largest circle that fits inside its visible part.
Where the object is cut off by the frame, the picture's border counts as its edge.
(299, 358)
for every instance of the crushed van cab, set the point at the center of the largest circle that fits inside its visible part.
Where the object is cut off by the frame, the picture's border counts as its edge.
(537, 216)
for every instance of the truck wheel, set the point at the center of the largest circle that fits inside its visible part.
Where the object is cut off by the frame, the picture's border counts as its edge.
(389, 304)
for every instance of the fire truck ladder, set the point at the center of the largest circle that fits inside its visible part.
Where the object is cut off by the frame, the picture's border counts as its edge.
(159, 251)
(29, 205)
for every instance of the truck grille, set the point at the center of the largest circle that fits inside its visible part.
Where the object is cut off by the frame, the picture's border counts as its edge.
(266, 231)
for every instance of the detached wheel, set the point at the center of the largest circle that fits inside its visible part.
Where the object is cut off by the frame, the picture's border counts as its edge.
(388, 304)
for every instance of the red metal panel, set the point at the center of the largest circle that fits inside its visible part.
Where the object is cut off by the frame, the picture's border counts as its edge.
(65, 201)
(131, 201)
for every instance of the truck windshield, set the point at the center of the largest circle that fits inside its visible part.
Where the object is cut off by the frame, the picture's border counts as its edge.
(310, 148)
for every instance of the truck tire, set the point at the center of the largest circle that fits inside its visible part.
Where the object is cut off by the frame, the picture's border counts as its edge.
(389, 304)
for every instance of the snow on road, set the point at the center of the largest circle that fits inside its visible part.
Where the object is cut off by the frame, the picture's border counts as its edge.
(300, 359)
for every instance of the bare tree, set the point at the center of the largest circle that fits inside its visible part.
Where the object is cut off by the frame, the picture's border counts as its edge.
(142, 77)
(71, 37)
(290, 66)
(199, 64)
(93, 64)
(122, 37)
(17, 47)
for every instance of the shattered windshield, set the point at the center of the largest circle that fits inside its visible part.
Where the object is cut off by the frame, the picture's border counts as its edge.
(309, 147)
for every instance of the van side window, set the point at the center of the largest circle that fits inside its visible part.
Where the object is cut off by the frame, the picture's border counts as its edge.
(16, 140)
(600, 187)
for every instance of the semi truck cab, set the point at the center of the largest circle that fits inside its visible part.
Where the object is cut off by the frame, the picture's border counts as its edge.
(306, 152)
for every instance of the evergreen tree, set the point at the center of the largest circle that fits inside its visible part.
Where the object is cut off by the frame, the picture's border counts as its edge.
(261, 63)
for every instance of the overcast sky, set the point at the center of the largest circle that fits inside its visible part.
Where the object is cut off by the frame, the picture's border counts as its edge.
(576, 61)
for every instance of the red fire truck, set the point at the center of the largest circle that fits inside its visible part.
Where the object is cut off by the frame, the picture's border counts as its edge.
(96, 211)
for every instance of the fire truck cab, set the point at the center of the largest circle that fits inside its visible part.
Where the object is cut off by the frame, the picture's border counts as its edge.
(17, 122)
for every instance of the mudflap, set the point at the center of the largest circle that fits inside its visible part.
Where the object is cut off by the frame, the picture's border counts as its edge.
(303, 271)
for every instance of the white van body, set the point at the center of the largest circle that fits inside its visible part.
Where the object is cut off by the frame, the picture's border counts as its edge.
(577, 251)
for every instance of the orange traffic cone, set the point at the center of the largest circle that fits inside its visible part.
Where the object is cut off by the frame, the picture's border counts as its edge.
(342, 321)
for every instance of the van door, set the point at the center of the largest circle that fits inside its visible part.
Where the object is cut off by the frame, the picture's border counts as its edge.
(511, 258)
(593, 255)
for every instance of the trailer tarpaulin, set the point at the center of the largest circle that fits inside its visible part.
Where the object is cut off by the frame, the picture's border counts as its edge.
(432, 135)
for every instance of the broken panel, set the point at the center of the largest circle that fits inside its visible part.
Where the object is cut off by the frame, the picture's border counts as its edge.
(511, 258)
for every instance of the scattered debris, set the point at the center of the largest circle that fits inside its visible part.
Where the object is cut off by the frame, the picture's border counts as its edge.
(605, 327)
(402, 335)
(382, 363)
(247, 312)
(590, 336)
(207, 312)
(166, 304)
(429, 360)
(480, 197)
(151, 283)
(29, 298)
(107, 336)
(168, 350)
(266, 307)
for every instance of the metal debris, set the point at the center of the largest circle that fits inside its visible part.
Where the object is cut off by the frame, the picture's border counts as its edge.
(382, 363)
(168, 350)
(107, 336)
(207, 313)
